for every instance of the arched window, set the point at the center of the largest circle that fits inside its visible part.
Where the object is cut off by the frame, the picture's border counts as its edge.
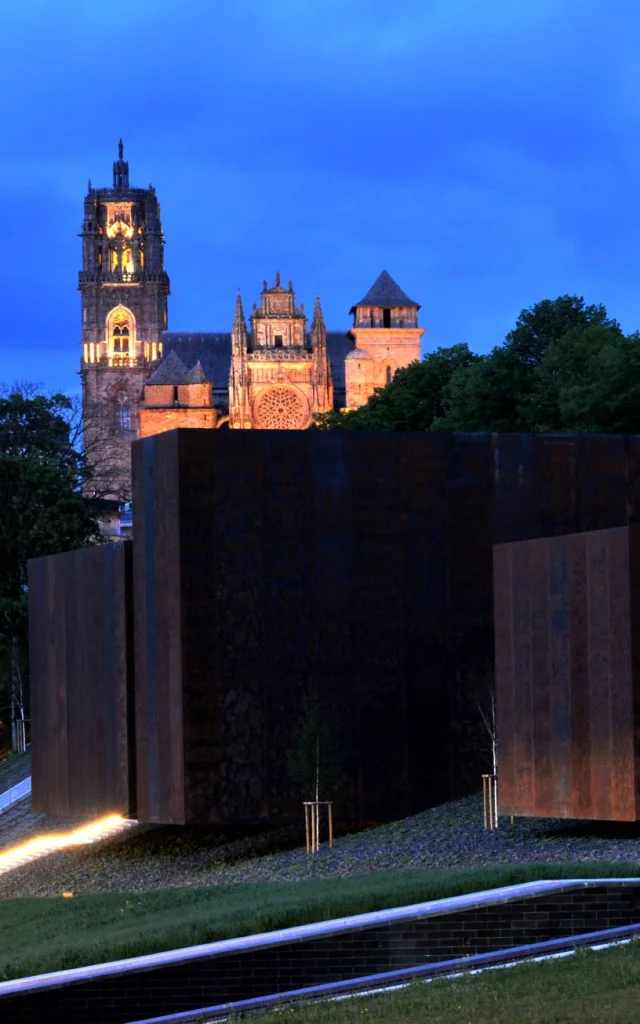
(121, 338)
(389, 373)
(122, 414)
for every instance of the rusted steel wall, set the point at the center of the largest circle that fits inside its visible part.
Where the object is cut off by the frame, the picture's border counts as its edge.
(81, 681)
(567, 705)
(362, 564)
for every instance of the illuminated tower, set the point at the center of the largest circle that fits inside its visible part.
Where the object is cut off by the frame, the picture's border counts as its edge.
(124, 289)
(387, 337)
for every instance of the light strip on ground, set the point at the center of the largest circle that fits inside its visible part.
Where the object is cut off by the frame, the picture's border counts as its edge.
(42, 845)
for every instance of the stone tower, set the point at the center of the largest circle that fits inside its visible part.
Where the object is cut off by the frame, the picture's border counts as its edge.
(279, 377)
(124, 289)
(387, 337)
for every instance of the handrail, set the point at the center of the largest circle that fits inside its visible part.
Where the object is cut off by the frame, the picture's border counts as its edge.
(17, 792)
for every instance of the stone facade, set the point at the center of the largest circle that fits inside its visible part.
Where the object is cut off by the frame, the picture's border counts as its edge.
(139, 379)
(280, 377)
(175, 397)
(386, 334)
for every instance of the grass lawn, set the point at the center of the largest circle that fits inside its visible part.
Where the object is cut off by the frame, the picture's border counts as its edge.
(53, 933)
(602, 987)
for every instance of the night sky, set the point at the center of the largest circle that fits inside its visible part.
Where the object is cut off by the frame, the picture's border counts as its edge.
(484, 152)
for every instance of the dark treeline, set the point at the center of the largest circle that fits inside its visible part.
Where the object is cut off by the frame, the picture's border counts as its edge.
(565, 367)
(42, 512)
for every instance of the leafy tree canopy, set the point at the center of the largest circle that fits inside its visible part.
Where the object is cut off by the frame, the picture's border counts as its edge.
(413, 399)
(565, 366)
(42, 509)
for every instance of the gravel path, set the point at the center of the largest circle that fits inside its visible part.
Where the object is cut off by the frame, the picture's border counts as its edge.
(151, 857)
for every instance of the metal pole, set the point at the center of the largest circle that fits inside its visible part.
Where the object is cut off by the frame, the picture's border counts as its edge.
(495, 801)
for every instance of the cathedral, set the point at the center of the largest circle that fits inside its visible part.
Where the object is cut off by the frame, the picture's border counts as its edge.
(274, 373)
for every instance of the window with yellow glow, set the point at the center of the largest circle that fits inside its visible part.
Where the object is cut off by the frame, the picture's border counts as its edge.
(121, 339)
(121, 335)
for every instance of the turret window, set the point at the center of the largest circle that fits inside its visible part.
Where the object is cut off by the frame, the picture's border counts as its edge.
(386, 318)
(278, 341)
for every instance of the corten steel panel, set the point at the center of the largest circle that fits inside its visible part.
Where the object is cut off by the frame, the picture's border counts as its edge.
(556, 493)
(266, 563)
(81, 681)
(602, 490)
(158, 633)
(566, 626)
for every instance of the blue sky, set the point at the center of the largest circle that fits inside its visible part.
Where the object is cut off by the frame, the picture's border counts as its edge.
(485, 152)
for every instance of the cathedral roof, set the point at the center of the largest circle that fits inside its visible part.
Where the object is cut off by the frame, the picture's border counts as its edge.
(213, 352)
(171, 371)
(385, 292)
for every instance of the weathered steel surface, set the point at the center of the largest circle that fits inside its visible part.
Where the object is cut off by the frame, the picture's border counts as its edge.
(566, 619)
(81, 681)
(362, 565)
(266, 564)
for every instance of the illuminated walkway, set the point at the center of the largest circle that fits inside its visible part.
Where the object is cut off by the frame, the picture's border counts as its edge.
(41, 845)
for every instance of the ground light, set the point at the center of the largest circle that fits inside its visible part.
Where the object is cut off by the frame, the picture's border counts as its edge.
(41, 846)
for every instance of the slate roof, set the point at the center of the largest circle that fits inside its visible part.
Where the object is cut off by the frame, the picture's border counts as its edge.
(197, 375)
(213, 352)
(171, 371)
(385, 292)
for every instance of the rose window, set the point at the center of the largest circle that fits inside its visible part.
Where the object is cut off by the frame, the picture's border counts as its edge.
(281, 409)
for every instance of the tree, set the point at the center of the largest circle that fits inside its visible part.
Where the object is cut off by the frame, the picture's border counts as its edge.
(605, 399)
(544, 323)
(414, 398)
(597, 361)
(485, 395)
(504, 390)
(42, 512)
(315, 758)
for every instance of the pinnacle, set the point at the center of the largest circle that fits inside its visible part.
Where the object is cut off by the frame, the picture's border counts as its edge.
(317, 312)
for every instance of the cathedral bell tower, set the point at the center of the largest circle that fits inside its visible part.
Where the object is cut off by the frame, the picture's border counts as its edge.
(123, 292)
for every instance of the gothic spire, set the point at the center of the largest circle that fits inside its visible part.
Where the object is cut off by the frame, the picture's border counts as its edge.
(239, 328)
(120, 169)
(318, 319)
(238, 319)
